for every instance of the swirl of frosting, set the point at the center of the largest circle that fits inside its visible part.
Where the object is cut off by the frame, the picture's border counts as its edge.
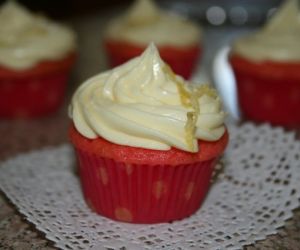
(278, 40)
(143, 104)
(145, 22)
(27, 39)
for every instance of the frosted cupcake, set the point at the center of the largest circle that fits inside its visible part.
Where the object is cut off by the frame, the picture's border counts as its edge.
(36, 56)
(177, 39)
(146, 142)
(266, 65)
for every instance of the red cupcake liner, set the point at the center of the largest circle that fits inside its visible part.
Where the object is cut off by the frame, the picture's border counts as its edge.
(138, 193)
(268, 91)
(183, 61)
(34, 92)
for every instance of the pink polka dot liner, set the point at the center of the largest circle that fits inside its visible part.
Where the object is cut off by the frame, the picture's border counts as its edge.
(268, 91)
(34, 92)
(138, 193)
(140, 185)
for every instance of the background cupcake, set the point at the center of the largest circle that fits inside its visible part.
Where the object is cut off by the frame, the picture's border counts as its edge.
(36, 56)
(177, 39)
(146, 141)
(266, 66)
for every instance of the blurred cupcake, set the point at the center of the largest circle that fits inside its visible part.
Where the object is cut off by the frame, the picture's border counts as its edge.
(36, 56)
(177, 39)
(266, 66)
(146, 141)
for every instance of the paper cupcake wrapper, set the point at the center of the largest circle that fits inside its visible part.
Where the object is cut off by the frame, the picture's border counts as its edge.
(142, 193)
(36, 91)
(273, 97)
(182, 61)
(32, 96)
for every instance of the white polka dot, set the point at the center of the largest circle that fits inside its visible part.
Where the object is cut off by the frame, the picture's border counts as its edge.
(21, 113)
(268, 101)
(159, 189)
(52, 98)
(248, 86)
(295, 96)
(34, 86)
(7, 86)
(129, 169)
(103, 175)
(123, 214)
(189, 190)
(90, 204)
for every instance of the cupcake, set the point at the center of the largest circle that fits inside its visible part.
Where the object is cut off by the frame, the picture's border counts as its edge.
(146, 141)
(266, 66)
(177, 39)
(36, 56)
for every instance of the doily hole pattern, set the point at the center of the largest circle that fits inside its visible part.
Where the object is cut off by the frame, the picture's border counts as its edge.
(250, 198)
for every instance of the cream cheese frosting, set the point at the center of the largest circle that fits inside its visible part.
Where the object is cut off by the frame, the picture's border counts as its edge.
(144, 22)
(142, 103)
(278, 40)
(27, 39)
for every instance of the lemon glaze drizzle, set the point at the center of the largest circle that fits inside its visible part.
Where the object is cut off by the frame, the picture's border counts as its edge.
(189, 97)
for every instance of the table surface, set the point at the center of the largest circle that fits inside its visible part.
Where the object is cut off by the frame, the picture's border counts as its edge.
(24, 136)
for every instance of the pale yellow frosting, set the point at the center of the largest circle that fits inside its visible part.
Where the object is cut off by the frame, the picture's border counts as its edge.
(278, 40)
(144, 22)
(26, 39)
(143, 104)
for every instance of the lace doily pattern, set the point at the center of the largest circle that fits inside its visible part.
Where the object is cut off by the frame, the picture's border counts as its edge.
(250, 199)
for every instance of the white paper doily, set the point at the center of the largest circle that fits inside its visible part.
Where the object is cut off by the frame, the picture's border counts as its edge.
(250, 200)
